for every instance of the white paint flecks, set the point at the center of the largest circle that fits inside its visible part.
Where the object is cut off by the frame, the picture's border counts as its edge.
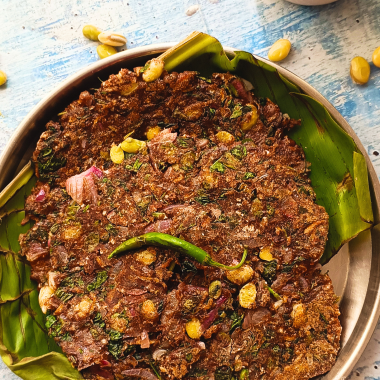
(192, 10)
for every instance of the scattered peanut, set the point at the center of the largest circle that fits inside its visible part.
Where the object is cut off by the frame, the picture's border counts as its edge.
(153, 70)
(131, 145)
(249, 119)
(279, 50)
(265, 254)
(225, 137)
(240, 276)
(105, 51)
(44, 298)
(91, 32)
(112, 39)
(3, 78)
(376, 57)
(152, 132)
(117, 154)
(215, 289)
(193, 328)
(360, 70)
(146, 257)
(247, 296)
(148, 309)
(83, 308)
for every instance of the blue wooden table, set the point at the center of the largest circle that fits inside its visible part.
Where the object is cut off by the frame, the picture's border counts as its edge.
(41, 43)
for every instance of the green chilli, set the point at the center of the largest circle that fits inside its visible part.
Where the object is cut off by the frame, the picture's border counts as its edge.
(158, 239)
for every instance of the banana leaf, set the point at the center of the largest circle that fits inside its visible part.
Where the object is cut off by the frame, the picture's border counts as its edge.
(338, 175)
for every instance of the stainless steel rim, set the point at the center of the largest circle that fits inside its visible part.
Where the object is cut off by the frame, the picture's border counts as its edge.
(11, 159)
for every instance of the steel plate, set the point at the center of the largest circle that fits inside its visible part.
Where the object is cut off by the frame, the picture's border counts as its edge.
(355, 270)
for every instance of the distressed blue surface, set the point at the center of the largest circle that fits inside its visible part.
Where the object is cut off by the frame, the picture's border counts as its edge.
(41, 44)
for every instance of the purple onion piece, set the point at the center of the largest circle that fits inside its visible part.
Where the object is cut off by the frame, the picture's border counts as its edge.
(40, 197)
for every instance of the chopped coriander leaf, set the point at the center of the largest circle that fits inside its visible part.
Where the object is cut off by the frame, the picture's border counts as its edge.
(218, 167)
(249, 175)
(236, 112)
(100, 279)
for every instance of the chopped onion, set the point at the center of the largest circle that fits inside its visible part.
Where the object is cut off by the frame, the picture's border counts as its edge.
(97, 370)
(165, 136)
(278, 303)
(145, 343)
(40, 197)
(82, 186)
(159, 226)
(158, 354)
(173, 207)
(105, 363)
(202, 143)
(139, 372)
(254, 317)
(135, 292)
(211, 316)
(35, 251)
(241, 90)
(247, 84)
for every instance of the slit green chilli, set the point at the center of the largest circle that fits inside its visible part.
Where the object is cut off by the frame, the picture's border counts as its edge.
(158, 239)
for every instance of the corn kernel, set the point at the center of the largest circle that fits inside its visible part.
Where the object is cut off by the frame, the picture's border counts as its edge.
(193, 328)
(152, 132)
(117, 154)
(250, 119)
(376, 57)
(105, 51)
(279, 50)
(360, 70)
(148, 309)
(3, 78)
(91, 32)
(240, 276)
(247, 296)
(225, 137)
(131, 145)
(265, 254)
(153, 70)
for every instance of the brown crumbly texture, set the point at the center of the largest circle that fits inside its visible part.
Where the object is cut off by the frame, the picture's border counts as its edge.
(251, 192)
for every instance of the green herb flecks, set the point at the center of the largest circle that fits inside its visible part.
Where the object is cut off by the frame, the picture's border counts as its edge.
(236, 112)
(62, 295)
(100, 279)
(98, 321)
(237, 321)
(50, 320)
(274, 294)
(249, 175)
(269, 272)
(111, 229)
(218, 167)
(239, 152)
(203, 199)
(135, 167)
(185, 142)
